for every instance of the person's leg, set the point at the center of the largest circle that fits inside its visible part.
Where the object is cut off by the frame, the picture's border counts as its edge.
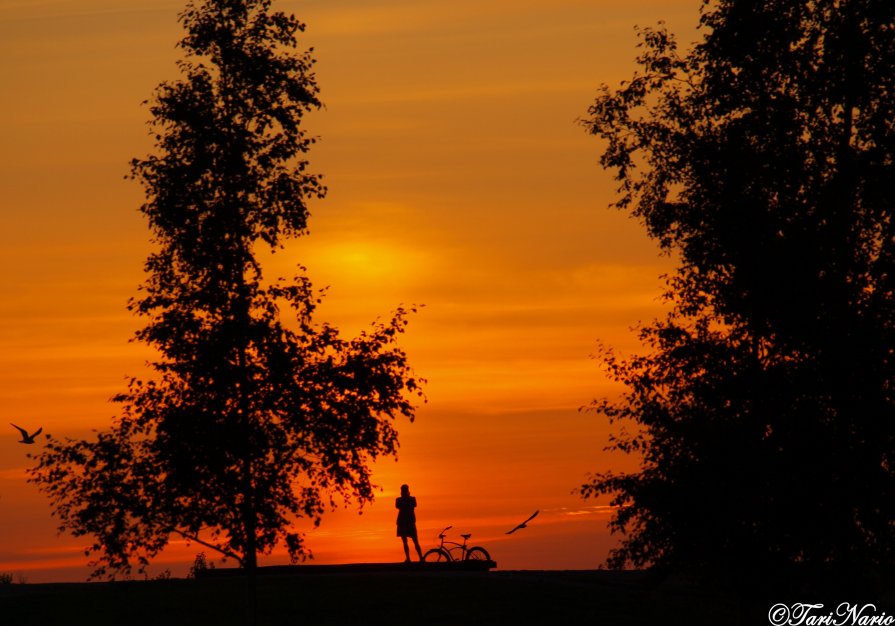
(417, 544)
(406, 550)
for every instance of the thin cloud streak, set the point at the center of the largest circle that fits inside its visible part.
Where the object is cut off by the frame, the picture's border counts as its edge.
(27, 10)
(489, 92)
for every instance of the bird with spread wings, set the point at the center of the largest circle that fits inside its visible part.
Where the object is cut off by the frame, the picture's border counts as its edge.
(523, 524)
(26, 438)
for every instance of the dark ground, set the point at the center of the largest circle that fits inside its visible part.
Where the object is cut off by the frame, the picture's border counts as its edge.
(393, 598)
(524, 597)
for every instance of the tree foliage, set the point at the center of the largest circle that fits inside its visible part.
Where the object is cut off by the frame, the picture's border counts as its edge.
(253, 418)
(763, 410)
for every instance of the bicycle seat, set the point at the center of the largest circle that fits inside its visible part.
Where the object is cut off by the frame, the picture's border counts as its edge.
(466, 537)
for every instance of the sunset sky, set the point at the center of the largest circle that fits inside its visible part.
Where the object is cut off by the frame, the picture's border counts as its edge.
(458, 179)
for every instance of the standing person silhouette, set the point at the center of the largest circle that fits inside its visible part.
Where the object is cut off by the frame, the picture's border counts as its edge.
(407, 522)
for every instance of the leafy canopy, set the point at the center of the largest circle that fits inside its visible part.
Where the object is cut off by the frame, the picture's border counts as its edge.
(253, 418)
(763, 410)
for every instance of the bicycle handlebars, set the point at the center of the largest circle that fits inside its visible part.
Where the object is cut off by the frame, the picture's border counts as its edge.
(442, 534)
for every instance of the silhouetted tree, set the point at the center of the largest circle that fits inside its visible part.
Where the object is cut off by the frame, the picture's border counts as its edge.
(762, 160)
(250, 421)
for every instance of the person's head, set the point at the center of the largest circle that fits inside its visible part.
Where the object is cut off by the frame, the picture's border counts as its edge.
(405, 490)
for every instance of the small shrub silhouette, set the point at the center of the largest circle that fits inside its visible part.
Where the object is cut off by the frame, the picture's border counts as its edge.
(200, 564)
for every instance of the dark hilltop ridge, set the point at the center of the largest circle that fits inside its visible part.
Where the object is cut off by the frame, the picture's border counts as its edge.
(399, 594)
(412, 596)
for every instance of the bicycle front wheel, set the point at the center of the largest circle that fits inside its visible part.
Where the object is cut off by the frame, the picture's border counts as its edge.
(436, 555)
(478, 554)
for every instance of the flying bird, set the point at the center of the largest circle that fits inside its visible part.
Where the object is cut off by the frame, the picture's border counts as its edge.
(523, 524)
(26, 438)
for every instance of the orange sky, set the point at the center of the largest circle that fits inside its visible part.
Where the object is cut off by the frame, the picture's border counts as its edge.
(458, 179)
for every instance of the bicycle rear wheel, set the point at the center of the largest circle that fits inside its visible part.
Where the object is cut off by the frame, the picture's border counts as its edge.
(436, 555)
(478, 554)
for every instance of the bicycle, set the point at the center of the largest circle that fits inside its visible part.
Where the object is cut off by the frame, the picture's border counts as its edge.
(448, 550)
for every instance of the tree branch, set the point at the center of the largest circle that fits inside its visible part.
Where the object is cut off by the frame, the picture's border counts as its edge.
(211, 546)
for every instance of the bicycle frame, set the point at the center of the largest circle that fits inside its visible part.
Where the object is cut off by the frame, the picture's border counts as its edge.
(450, 549)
